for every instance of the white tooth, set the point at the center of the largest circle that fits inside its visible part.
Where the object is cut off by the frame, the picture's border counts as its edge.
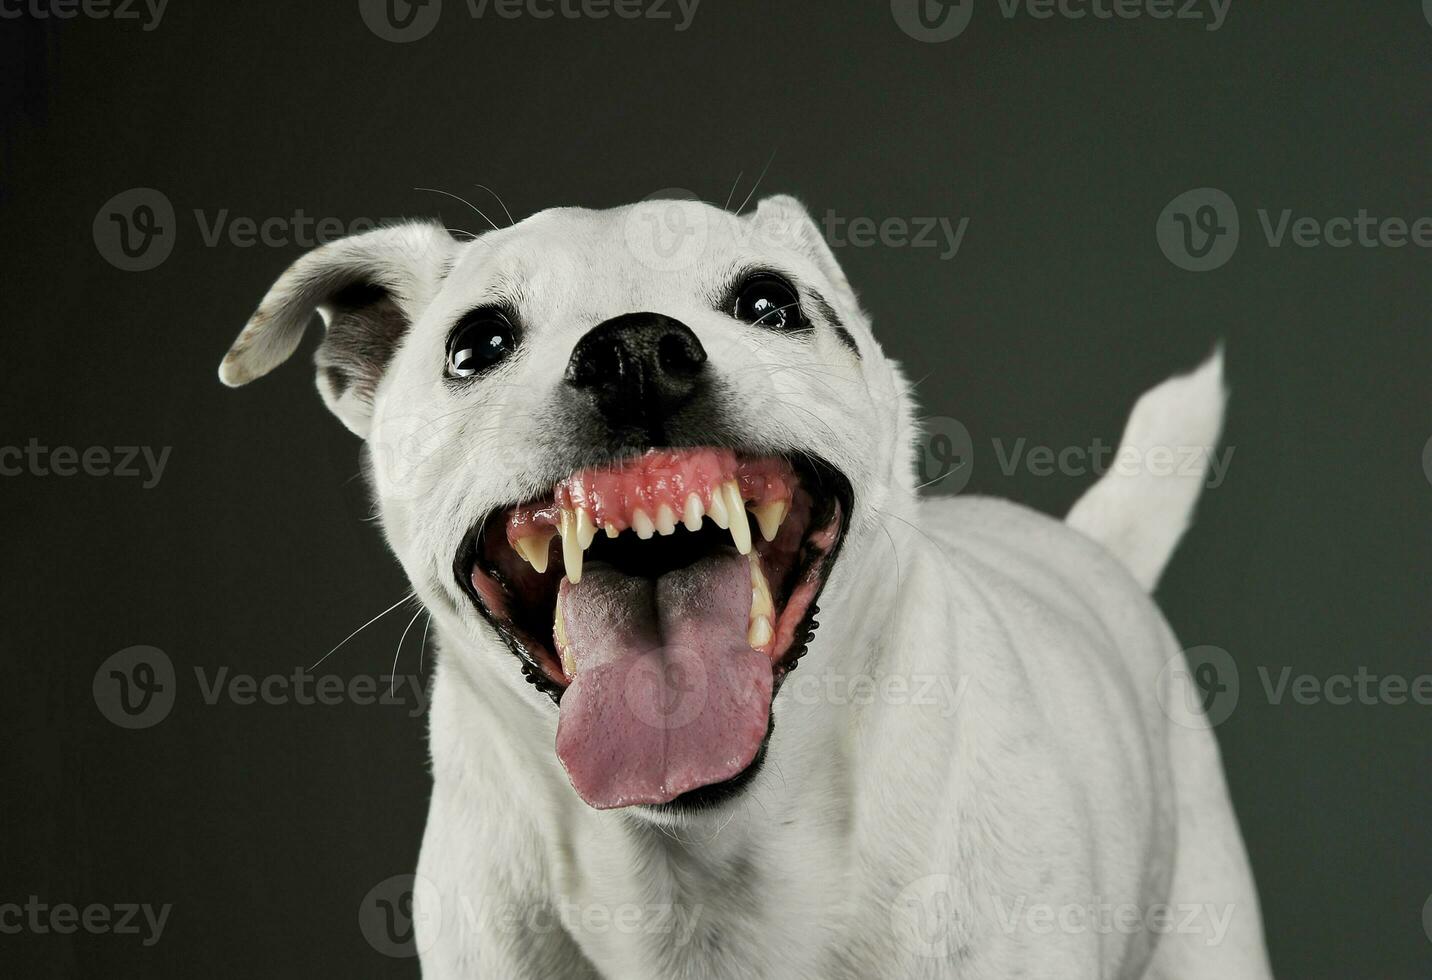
(761, 604)
(694, 512)
(769, 516)
(586, 530)
(559, 627)
(760, 632)
(736, 511)
(716, 510)
(571, 547)
(611, 530)
(534, 550)
(665, 520)
(559, 632)
(642, 524)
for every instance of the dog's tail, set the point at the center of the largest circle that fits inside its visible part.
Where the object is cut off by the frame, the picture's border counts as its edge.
(1140, 508)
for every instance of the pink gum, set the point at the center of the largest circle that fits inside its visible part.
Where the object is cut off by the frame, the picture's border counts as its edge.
(611, 496)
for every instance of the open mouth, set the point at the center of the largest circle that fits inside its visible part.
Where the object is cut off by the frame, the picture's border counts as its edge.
(660, 601)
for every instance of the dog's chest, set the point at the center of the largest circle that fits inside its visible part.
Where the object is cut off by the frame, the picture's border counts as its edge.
(771, 906)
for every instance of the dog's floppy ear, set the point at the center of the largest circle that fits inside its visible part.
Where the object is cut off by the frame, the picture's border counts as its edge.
(368, 288)
(783, 220)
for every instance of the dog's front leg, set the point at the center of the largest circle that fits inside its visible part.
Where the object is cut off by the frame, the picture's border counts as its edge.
(467, 938)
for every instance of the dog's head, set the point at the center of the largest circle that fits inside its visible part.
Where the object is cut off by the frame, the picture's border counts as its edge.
(635, 445)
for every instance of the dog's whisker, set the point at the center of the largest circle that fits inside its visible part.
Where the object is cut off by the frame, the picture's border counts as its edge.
(360, 629)
(484, 217)
(757, 184)
(423, 646)
(393, 677)
(510, 220)
(732, 192)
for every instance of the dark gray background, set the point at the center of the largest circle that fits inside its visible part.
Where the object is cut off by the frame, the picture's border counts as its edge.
(266, 825)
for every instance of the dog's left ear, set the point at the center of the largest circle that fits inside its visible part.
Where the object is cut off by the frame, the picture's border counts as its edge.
(784, 221)
(369, 289)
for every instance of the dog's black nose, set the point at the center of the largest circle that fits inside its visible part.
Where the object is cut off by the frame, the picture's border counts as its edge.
(639, 368)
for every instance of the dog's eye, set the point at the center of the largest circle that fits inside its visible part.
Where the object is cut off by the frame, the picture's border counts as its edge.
(481, 340)
(767, 300)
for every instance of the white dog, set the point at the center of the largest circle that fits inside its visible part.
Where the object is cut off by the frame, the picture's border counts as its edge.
(621, 456)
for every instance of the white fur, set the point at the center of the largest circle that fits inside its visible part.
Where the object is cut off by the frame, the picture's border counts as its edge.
(1036, 769)
(1140, 510)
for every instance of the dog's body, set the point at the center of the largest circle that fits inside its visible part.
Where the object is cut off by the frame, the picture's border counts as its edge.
(969, 773)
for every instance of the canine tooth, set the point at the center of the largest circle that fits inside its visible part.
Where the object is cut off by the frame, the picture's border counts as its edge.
(559, 631)
(761, 604)
(665, 520)
(769, 517)
(571, 547)
(642, 524)
(559, 628)
(736, 511)
(586, 530)
(533, 549)
(717, 509)
(691, 517)
(760, 632)
(611, 530)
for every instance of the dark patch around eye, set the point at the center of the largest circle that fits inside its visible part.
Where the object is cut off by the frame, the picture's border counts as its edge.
(827, 313)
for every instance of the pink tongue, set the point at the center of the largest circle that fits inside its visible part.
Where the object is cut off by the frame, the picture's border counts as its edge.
(668, 696)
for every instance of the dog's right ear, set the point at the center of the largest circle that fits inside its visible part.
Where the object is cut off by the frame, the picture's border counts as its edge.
(369, 289)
